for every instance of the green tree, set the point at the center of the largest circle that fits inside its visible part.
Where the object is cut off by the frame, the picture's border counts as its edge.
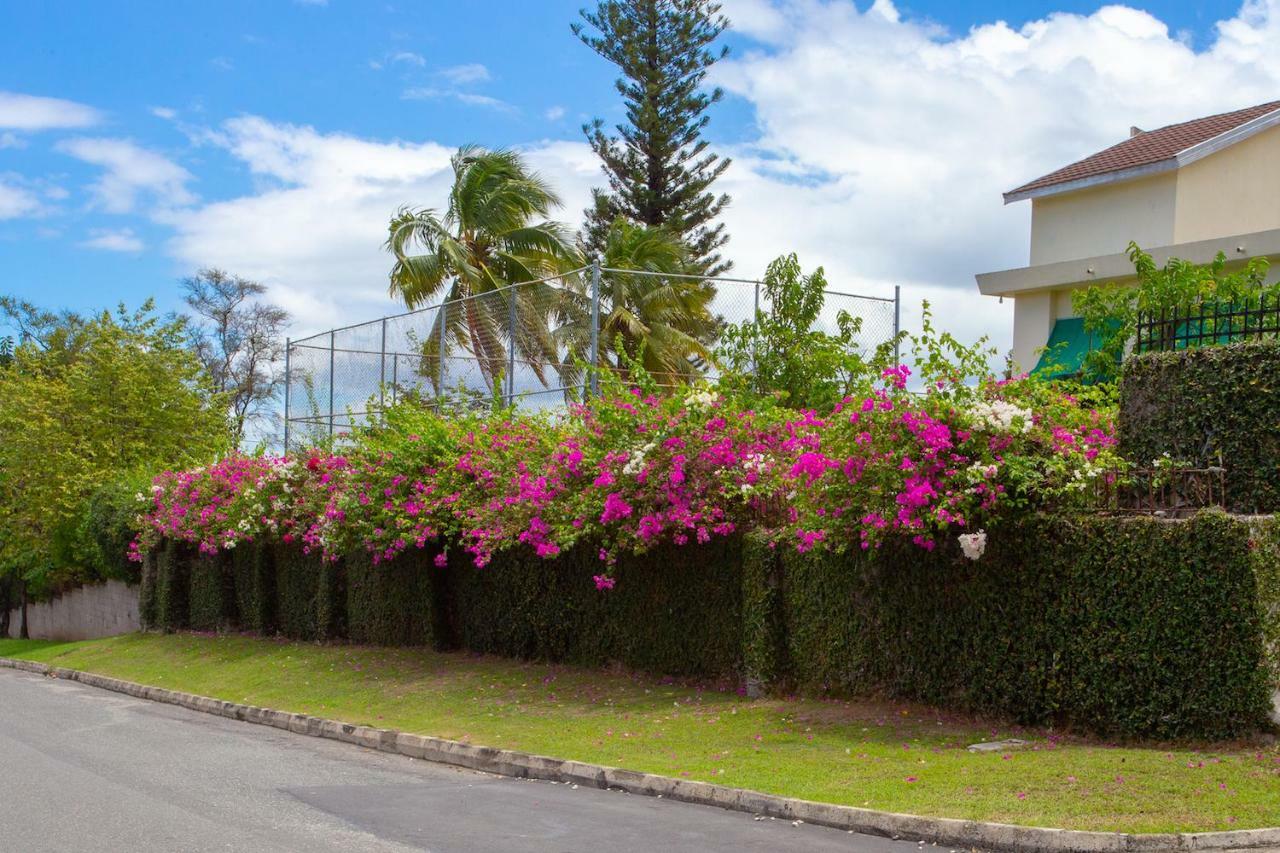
(780, 352)
(664, 324)
(1111, 311)
(488, 238)
(658, 167)
(85, 403)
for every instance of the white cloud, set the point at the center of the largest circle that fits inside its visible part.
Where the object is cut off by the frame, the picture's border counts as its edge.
(885, 143)
(461, 75)
(409, 58)
(222, 63)
(121, 240)
(15, 200)
(166, 113)
(130, 171)
(11, 140)
(314, 233)
(554, 113)
(471, 99)
(29, 112)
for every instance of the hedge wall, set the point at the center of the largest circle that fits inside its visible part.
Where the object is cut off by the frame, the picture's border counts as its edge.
(1202, 405)
(1131, 626)
(393, 603)
(674, 610)
(1128, 626)
(211, 595)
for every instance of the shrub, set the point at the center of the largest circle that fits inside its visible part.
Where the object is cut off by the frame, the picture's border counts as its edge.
(1209, 406)
(633, 471)
(1179, 288)
(108, 526)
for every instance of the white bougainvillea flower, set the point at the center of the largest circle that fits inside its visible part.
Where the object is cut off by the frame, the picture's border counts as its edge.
(973, 544)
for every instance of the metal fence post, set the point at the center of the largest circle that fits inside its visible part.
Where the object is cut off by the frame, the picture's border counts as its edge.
(382, 367)
(288, 350)
(897, 323)
(333, 344)
(511, 346)
(595, 326)
(755, 318)
(444, 320)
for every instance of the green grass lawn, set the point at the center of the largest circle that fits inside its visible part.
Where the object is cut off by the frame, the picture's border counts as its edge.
(884, 755)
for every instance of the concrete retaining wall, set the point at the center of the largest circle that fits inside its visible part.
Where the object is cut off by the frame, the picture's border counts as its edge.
(100, 610)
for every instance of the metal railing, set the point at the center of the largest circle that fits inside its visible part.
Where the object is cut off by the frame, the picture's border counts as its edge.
(1174, 492)
(1208, 323)
(537, 343)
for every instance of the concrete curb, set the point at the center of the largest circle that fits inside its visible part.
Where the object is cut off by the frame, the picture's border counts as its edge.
(523, 765)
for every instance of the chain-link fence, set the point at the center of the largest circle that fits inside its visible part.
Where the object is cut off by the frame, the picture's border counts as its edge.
(537, 343)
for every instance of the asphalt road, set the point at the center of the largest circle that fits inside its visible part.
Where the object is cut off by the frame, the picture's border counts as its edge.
(87, 770)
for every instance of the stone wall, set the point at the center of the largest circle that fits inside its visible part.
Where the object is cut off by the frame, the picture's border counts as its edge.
(100, 610)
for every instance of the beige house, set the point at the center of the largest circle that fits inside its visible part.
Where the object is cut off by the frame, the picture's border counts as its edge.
(1188, 190)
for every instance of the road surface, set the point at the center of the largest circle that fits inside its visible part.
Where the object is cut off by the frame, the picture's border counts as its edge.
(83, 769)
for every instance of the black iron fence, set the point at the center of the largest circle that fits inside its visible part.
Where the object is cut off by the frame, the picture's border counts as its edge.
(1208, 323)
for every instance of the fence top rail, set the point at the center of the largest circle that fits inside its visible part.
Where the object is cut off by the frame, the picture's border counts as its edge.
(435, 307)
(488, 294)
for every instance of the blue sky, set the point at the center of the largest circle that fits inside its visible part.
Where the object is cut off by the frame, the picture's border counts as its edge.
(195, 119)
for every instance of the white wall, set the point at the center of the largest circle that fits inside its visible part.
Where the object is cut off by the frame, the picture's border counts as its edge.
(1102, 220)
(99, 610)
(1235, 191)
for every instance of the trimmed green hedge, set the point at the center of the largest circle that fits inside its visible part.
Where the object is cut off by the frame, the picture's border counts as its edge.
(1127, 626)
(211, 596)
(254, 578)
(309, 595)
(394, 602)
(1211, 405)
(1131, 626)
(172, 585)
(674, 610)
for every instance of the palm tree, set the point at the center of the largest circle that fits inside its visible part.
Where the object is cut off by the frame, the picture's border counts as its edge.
(665, 322)
(487, 239)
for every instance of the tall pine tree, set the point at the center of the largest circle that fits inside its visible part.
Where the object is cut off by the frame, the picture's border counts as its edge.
(658, 167)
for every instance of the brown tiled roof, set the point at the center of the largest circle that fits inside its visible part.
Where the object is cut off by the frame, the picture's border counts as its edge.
(1148, 147)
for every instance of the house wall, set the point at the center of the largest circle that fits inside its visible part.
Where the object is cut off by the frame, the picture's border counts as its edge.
(1102, 220)
(1231, 192)
(1033, 317)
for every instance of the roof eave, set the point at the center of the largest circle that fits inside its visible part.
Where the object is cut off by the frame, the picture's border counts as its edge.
(1186, 156)
(1118, 176)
